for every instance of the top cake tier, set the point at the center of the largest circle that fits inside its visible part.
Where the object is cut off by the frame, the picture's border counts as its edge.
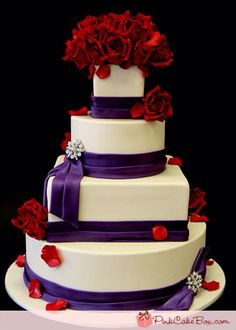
(120, 83)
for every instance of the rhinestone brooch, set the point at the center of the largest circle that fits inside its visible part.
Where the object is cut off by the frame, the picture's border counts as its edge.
(74, 149)
(194, 282)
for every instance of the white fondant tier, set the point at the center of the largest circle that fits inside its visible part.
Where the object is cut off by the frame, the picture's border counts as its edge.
(160, 197)
(120, 82)
(119, 266)
(125, 136)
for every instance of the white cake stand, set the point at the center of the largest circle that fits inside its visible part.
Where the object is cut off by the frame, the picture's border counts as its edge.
(102, 319)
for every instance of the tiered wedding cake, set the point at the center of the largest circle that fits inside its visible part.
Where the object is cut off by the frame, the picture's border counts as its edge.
(114, 232)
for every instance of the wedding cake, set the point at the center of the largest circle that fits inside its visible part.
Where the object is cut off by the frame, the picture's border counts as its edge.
(119, 227)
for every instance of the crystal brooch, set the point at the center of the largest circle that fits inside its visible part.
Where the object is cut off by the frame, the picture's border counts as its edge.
(194, 282)
(74, 149)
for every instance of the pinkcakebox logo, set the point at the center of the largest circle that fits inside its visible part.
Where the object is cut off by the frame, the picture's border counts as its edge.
(146, 319)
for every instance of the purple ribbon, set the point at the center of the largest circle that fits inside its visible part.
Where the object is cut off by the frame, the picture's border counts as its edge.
(173, 297)
(65, 190)
(66, 184)
(113, 107)
(115, 231)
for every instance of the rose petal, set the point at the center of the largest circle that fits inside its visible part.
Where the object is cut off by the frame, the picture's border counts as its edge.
(79, 112)
(137, 110)
(211, 286)
(57, 305)
(50, 255)
(160, 233)
(209, 262)
(175, 161)
(65, 141)
(20, 261)
(34, 289)
(91, 71)
(197, 218)
(154, 41)
(103, 71)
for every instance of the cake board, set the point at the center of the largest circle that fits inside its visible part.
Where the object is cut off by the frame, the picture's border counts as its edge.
(17, 290)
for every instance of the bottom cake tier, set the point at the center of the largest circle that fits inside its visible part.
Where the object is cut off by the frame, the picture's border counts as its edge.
(104, 276)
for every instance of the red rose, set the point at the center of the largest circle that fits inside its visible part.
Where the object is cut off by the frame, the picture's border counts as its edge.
(141, 54)
(96, 53)
(142, 29)
(161, 55)
(76, 50)
(32, 219)
(196, 200)
(117, 48)
(88, 25)
(35, 230)
(157, 105)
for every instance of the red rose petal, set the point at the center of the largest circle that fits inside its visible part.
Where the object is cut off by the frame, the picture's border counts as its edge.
(197, 218)
(211, 286)
(209, 262)
(20, 261)
(34, 289)
(154, 41)
(137, 110)
(50, 255)
(160, 233)
(65, 141)
(103, 71)
(79, 112)
(57, 305)
(175, 161)
(91, 71)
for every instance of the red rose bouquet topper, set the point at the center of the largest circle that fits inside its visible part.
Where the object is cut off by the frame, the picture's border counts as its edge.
(119, 39)
(124, 40)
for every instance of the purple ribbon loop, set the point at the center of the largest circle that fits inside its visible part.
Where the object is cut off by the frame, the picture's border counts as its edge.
(184, 297)
(113, 107)
(173, 297)
(65, 190)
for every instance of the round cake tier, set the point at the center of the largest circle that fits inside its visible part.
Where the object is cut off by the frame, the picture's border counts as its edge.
(124, 136)
(114, 267)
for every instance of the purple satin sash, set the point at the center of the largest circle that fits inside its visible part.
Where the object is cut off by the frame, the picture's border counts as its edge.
(112, 107)
(68, 175)
(173, 297)
(115, 231)
(65, 190)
